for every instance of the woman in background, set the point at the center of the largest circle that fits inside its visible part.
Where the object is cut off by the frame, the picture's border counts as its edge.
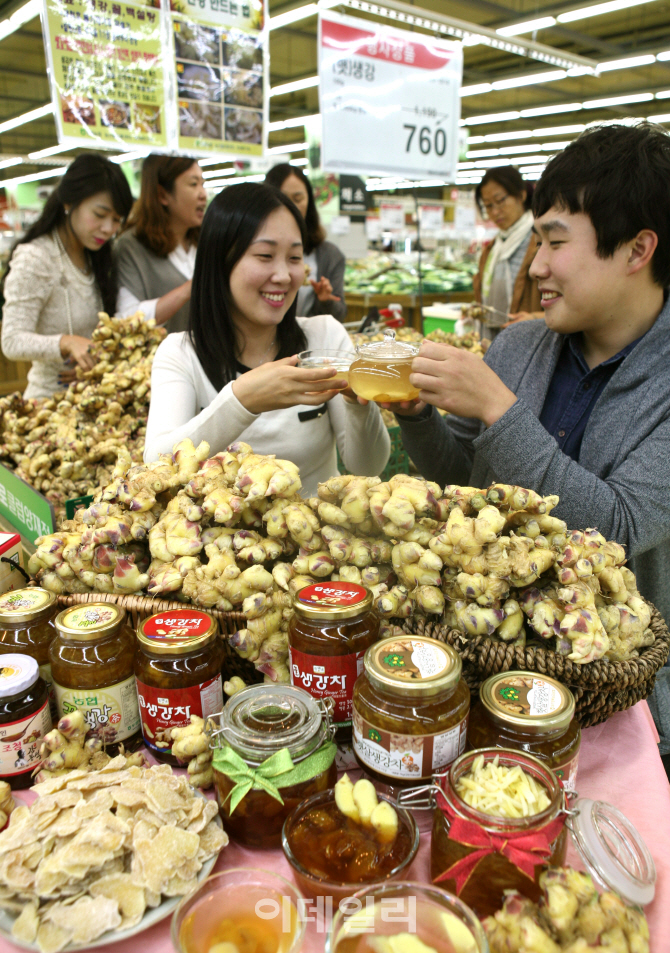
(61, 274)
(503, 281)
(156, 253)
(325, 292)
(233, 376)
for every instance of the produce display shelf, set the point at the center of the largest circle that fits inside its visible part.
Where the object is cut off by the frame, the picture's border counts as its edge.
(358, 305)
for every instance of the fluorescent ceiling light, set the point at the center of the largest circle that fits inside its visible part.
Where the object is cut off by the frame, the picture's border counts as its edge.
(218, 173)
(665, 118)
(301, 162)
(662, 57)
(291, 123)
(619, 100)
(293, 16)
(558, 130)
(19, 17)
(626, 63)
(129, 156)
(598, 9)
(293, 87)
(291, 147)
(12, 160)
(554, 146)
(550, 110)
(664, 94)
(482, 153)
(476, 90)
(35, 177)
(38, 113)
(51, 151)
(491, 117)
(521, 150)
(204, 163)
(528, 26)
(530, 80)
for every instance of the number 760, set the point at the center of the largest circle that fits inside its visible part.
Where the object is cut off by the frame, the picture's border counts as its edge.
(427, 139)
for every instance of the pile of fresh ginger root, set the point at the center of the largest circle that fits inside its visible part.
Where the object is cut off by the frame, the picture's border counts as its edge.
(232, 532)
(65, 446)
(571, 917)
(71, 747)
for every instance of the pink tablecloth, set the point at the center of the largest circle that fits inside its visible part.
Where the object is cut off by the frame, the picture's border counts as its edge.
(619, 763)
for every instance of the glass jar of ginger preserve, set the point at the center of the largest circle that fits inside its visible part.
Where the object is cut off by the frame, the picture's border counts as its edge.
(532, 713)
(333, 625)
(260, 723)
(92, 668)
(178, 672)
(24, 718)
(410, 711)
(27, 626)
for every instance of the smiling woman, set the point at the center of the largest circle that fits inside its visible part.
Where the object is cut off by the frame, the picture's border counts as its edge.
(234, 376)
(156, 253)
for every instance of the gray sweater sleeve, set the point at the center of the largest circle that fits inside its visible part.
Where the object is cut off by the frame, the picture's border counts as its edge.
(440, 447)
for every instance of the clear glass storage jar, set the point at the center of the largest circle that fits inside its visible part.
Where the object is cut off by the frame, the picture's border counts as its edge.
(382, 368)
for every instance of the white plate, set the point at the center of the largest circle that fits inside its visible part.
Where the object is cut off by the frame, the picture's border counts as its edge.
(151, 917)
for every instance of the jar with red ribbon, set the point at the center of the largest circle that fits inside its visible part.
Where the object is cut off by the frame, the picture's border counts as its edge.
(479, 856)
(332, 626)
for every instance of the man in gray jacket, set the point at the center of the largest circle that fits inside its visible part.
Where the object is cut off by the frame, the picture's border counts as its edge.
(577, 404)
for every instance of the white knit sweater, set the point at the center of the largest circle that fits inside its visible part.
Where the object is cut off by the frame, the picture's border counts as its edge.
(40, 283)
(185, 404)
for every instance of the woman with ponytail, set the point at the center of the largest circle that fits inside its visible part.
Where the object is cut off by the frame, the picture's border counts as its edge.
(61, 274)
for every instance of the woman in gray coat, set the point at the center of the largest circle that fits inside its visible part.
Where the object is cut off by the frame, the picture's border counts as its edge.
(325, 292)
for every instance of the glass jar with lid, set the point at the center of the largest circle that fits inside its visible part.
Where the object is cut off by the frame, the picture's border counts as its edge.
(382, 368)
(608, 843)
(333, 625)
(178, 673)
(24, 718)
(410, 710)
(92, 667)
(27, 626)
(529, 712)
(272, 749)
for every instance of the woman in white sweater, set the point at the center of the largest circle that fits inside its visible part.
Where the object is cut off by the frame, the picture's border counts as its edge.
(61, 274)
(233, 375)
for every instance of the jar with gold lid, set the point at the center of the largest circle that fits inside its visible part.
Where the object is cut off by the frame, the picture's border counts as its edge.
(24, 718)
(410, 710)
(529, 712)
(178, 663)
(333, 625)
(92, 666)
(272, 748)
(27, 626)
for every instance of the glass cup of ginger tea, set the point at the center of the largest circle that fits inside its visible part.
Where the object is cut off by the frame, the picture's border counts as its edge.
(381, 370)
(324, 359)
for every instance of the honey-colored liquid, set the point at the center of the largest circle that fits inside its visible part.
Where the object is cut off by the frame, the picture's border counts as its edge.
(424, 921)
(342, 369)
(231, 918)
(382, 381)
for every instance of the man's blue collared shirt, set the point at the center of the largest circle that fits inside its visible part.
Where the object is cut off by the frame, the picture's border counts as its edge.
(573, 392)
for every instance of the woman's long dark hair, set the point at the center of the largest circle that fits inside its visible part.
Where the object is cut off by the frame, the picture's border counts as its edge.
(150, 219)
(230, 224)
(276, 177)
(89, 174)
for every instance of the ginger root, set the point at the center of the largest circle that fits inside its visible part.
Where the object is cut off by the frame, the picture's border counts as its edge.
(190, 745)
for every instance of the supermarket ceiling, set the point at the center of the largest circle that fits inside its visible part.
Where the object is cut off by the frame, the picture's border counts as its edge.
(535, 75)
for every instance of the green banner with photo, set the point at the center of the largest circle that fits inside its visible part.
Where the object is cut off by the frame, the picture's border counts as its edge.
(106, 67)
(30, 513)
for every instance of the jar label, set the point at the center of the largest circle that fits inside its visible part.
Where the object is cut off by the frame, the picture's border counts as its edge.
(162, 709)
(111, 712)
(333, 594)
(45, 672)
(328, 676)
(522, 695)
(407, 756)
(24, 600)
(177, 625)
(20, 742)
(567, 773)
(89, 618)
(409, 660)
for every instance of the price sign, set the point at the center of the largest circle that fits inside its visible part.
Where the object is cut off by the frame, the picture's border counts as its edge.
(393, 93)
(392, 216)
(431, 217)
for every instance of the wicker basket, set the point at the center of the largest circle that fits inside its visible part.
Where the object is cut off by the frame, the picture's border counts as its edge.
(141, 607)
(600, 688)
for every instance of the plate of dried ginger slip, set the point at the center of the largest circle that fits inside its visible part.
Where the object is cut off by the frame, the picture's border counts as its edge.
(103, 855)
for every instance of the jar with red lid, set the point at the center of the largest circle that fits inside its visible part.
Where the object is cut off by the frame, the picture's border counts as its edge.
(24, 718)
(178, 673)
(333, 625)
(27, 626)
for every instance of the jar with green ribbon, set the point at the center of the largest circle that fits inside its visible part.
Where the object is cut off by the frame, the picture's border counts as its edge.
(272, 748)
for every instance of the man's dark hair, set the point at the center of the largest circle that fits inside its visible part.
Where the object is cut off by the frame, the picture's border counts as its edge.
(229, 227)
(620, 177)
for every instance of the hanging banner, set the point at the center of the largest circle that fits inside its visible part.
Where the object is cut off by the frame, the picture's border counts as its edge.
(393, 93)
(106, 70)
(221, 76)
